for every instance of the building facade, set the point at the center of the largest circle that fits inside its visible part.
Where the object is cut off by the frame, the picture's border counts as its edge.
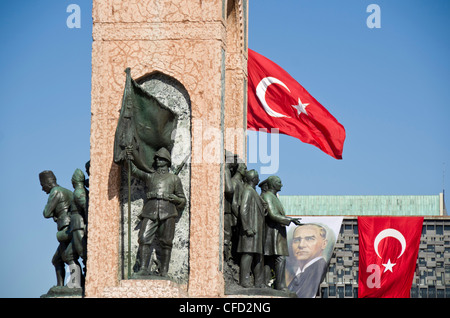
(432, 274)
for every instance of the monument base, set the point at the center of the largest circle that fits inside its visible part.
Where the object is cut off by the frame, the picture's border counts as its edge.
(270, 292)
(152, 276)
(152, 287)
(64, 292)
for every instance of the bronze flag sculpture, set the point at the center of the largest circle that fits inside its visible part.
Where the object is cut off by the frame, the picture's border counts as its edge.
(144, 124)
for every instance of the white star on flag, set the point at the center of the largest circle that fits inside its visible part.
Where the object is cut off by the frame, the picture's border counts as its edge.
(301, 108)
(388, 266)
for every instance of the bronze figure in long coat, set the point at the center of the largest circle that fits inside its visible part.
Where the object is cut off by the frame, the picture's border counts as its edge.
(251, 235)
(275, 242)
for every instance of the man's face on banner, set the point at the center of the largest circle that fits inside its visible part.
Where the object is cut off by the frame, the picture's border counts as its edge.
(308, 242)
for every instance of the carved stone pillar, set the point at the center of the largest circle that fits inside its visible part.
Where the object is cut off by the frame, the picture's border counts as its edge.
(195, 51)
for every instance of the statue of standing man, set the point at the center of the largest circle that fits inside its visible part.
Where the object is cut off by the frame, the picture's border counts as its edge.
(275, 245)
(229, 220)
(78, 215)
(58, 208)
(251, 214)
(165, 203)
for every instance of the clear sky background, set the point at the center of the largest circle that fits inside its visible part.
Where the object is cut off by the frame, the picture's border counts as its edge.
(389, 87)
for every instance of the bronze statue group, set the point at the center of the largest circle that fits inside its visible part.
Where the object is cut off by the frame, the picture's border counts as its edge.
(254, 226)
(69, 211)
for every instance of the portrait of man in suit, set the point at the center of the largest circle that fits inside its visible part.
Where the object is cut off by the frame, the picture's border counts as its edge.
(309, 265)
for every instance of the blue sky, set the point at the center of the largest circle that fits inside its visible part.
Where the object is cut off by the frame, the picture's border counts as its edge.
(389, 87)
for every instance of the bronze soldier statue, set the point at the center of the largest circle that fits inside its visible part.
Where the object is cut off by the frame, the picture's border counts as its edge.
(238, 185)
(78, 215)
(58, 206)
(251, 215)
(229, 219)
(165, 203)
(275, 243)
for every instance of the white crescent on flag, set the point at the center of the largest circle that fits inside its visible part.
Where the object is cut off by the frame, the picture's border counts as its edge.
(375, 252)
(288, 107)
(261, 93)
(390, 233)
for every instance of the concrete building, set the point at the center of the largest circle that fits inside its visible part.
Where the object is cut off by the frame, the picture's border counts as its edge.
(432, 274)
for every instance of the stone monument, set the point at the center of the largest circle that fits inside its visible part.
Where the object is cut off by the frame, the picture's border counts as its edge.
(192, 57)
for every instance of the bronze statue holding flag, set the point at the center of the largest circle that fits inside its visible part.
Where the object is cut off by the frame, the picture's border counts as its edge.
(143, 144)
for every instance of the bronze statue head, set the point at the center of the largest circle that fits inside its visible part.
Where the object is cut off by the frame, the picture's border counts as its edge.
(252, 177)
(48, 180)
(164, 154)
(274, 183)
(263, 185)
(78, 177)
(241, 168)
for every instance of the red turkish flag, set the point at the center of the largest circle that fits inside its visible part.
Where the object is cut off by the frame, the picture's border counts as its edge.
(388, 248)
(276, 100)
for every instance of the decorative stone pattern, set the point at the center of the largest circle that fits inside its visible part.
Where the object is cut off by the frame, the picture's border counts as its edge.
(235, 80)
(142, 289)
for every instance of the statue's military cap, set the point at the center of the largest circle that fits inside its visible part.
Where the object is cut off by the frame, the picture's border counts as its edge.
(47, 175)
(164, 153)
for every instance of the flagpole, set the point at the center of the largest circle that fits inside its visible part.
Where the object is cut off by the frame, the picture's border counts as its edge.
(129, 218)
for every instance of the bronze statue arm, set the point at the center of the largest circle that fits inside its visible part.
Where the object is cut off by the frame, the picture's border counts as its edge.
(178, 198)
(52, 202)
(135, 171)
(276, 217)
